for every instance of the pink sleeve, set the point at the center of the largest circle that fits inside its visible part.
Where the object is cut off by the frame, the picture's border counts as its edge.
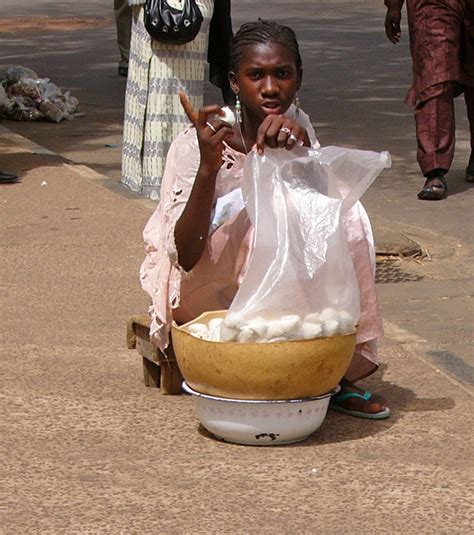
(160, 273)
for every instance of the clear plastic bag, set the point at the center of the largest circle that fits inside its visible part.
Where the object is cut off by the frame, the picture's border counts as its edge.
(16, 72)
(23, 109)
(53, 110)
(300, 282)
(30, 98)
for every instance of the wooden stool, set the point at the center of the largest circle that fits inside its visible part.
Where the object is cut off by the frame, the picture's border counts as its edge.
(159, 369)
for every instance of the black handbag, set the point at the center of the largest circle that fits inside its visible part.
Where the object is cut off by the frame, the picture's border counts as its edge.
(172, 26)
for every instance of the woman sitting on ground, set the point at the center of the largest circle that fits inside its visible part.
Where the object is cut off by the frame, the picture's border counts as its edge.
(190, 269)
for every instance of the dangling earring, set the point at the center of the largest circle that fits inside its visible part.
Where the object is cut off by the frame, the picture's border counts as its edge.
(297, 105)
(238, 108)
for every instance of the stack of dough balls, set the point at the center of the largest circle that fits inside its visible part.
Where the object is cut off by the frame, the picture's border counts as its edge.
(235, 328)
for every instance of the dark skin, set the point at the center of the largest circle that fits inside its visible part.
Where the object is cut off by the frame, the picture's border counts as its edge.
(266, 81)
(392, 24)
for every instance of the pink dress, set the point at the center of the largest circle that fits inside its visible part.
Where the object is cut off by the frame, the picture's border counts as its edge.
(213, 282)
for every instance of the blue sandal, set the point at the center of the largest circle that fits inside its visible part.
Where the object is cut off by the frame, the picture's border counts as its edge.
(338, 399)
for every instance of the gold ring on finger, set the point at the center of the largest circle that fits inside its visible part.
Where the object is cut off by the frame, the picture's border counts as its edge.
(285, 130)
(211, 127)
(293, 138)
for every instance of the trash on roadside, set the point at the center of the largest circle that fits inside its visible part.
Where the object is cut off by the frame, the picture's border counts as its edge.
(26, 97)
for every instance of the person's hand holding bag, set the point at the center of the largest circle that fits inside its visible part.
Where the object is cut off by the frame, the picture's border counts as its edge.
(279, 131)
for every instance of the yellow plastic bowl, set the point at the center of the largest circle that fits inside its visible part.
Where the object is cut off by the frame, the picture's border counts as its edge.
(279, 370)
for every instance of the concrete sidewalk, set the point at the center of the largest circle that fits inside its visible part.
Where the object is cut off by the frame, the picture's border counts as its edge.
(88, 449)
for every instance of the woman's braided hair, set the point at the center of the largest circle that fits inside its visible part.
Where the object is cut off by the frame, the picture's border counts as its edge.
(263, 31)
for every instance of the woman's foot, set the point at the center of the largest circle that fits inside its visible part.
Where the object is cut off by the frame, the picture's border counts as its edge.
(435, 188)
(356, 402)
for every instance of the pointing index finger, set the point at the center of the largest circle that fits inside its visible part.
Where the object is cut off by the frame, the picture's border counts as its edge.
(187, 106)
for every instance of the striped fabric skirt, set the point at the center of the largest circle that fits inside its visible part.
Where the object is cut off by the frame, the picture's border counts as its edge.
(153, 113)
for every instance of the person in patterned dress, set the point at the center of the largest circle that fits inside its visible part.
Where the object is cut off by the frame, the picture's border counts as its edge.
(153, 114)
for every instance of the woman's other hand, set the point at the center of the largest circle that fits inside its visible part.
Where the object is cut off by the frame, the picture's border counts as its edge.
(278, 131)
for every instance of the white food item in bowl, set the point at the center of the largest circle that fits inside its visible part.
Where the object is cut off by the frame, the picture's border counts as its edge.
(346, 322)
(314, 317)
(215, 329)
(260, 423)
(231, 326)
(215, 336)
(329, 314)
(236, 328)
(199, 330)
(228, 334)
(275, 329)
(330, 327)
(234, 320)
(291, 324)
(215, 323)
(311, 330)
(259, 327)
(247, 335)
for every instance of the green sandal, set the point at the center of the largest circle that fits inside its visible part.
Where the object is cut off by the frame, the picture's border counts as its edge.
(338, 399)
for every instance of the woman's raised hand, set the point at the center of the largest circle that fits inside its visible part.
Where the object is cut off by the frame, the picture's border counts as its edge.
(211, 134)
(279, 131)
(210, 131)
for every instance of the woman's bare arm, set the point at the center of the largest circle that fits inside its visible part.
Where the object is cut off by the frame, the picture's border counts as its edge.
(193, 226)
